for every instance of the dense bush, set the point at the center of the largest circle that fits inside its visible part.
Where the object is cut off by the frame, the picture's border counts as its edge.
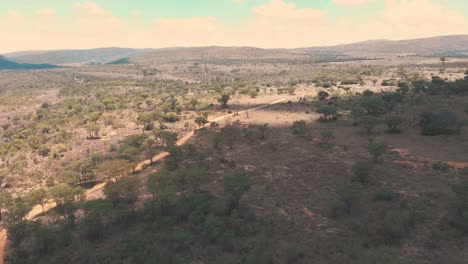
(299, 127)
(368, 122)
(377, 149)
(437, 123)
(322, 95)
(460, 215)
(374, 105)
(385, 195)
(395, 227)
(361, 170)
(328, 112)
(393, 123)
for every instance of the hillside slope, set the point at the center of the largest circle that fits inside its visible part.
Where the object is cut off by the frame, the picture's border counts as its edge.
(425, 45)
(101, 55)
(6, 64)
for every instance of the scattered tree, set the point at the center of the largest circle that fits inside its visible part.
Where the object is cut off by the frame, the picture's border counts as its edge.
(263, 128)
(224, 99)
(377, 149)
(348, 194)
(328, 112)
(369, 123)
(393, 122)
(236, 185)
(361, 170)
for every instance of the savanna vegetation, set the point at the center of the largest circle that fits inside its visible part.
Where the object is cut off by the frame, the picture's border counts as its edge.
(344, 163)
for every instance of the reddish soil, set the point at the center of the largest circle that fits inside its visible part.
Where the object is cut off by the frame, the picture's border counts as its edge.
(419, 161)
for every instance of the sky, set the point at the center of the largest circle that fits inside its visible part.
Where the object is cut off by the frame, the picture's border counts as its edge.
(83, 24)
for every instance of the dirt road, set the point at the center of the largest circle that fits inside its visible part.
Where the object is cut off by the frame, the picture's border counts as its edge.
(98, 190)
(3, 240)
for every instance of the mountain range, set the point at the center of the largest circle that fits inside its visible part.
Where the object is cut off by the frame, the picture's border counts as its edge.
(456, 44)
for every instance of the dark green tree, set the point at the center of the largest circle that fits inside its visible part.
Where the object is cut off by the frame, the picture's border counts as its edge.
(236, 185)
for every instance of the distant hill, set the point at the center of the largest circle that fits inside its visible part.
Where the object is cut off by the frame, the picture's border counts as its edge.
(453, 45)
(443, 44)
(61, 57)
(118, 62)
(6, 64)
(218, 54)
(427, 46)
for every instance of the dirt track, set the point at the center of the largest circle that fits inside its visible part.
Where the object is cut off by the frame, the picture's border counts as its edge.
(97, 191)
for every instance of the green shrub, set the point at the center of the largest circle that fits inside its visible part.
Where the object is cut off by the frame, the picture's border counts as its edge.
(328, 112)
(368, 122)
(387, 255)
(367, 93)
(385, 195)
(374, 105)
(322, 95)
(459, 219)
(377, 149)
(299, 127)
(441, 166)
(171, 117)
(434, 240)
(325, 138)
(337, 210)
(393, 122)
(395, 227)
(294, 254)
(349, 193)
(43, 151)
(388, 83)
(437, 123)
(361, 170)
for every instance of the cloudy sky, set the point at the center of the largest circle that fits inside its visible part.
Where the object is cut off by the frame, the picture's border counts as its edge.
(63, 24)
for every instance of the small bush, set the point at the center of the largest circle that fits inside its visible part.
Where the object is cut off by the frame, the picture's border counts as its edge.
(395, 227)
(294, 254)
(368, 122)
(328, 112)
(434, 240)
(374, 105)
(459, 219)
(171, 117)
(441, 166)
(43, 151)
(348, 194)
(393, 123)
(367, 93)
(385, 195)
(387, 255)
(377, 149)
(299, 127)
(361, 170)
(322, 95)
(388, 83)
(325, 138)
(337, 210)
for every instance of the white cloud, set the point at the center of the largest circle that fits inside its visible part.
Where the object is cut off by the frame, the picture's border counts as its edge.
(352, 2)
(195, 31)
(89, 13)
(279, 24)
(46, 12)
(273, 25)
(278, 8)
(403, 19)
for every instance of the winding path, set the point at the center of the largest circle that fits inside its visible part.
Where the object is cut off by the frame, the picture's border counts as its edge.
(97, 191)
